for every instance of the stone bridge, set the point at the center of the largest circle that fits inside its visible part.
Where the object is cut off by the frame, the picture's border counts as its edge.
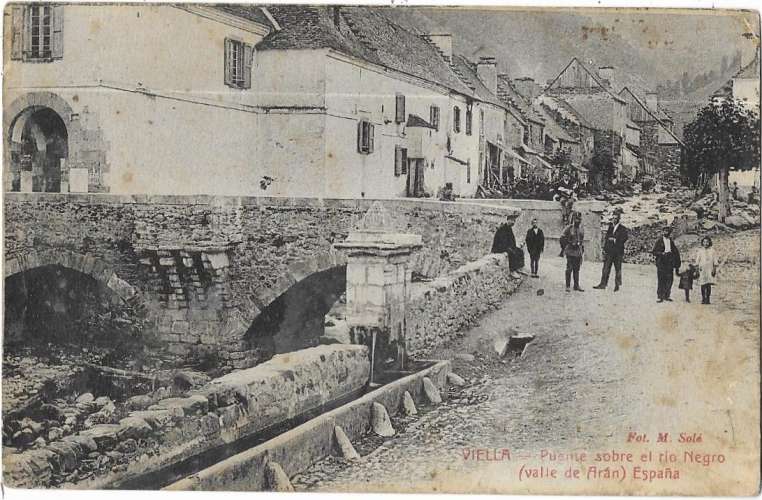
(208, 270)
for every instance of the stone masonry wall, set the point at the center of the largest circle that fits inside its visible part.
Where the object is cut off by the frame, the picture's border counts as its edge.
(205, 267)
(438, 311)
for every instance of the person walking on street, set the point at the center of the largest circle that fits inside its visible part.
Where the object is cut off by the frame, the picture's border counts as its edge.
(535, 243)
(505, 242)
(613, 252)
(667, 264)
(706, 261)
(573, 247)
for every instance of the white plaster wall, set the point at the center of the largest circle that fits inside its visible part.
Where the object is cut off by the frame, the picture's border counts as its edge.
(165, 48)
(747, 90)
(293, 78)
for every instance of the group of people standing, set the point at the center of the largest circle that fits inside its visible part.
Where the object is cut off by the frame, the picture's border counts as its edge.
(703, 267)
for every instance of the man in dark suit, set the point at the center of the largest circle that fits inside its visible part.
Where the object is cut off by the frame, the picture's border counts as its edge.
(667, 263)
(535, 243)
(613, 252)
(505, 242)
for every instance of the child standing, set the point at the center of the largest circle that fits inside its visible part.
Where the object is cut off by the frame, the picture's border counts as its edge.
(687, 274)
(707, 263)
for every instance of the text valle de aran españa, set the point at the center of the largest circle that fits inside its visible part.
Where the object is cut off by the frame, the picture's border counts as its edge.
(647, 465)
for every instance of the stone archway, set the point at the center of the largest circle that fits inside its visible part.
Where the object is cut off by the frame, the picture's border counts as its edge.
(85, 264)
(39, 150)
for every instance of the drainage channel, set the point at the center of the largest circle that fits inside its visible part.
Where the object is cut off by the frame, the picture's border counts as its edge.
(294, 450)
(172, 473)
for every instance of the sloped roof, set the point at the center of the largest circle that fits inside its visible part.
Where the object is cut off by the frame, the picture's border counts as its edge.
(593, 74)
(508, 94)
(249, 12)
(657, 113)
(364, 33)
(565, 109)
(552, 127)
(466, 70)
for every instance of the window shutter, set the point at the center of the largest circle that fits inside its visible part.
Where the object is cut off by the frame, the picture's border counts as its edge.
(468, 171)
(469, 119)
(228, 61)
(359, 137)
(58, 41)
(397, 161)
(248, 58)
(400, 114)
(403, 165)
(27, 37)
(434, 118)
(371, 134)
(17, 25)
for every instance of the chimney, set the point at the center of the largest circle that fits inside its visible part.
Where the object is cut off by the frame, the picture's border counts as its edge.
(443, 41)
(527, 87)
(606, 72)
(652, 100)
(486, 70)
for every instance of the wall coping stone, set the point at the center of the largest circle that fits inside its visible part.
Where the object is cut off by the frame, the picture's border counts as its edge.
(472, 206)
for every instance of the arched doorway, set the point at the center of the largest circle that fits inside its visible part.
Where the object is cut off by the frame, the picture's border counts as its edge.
(39, 149)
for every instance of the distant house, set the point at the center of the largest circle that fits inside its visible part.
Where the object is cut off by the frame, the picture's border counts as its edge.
(590, 94)
(574, 124)
(499, 128)
(529, 155)
(743, 86)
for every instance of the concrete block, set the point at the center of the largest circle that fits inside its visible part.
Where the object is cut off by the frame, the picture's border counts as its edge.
(380, 421)
(346, 449)
(431, 392)
(408, 405)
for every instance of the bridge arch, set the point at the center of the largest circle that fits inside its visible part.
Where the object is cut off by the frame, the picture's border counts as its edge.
(292, 311)
(86, 264)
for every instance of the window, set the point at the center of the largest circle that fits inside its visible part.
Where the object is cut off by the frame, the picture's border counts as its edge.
(468, 171)
(238, 59)
(469, 119)
(400, 161)
(434, 117)
(400, 116)
(37, 32)
(456, 119)
(365, 132)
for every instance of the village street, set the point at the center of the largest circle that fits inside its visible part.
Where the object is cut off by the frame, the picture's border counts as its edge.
(602, 364)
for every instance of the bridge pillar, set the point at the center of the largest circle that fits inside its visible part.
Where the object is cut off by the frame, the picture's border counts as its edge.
(378, 287)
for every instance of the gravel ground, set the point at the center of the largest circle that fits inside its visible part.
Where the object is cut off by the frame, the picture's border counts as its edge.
(602, 364)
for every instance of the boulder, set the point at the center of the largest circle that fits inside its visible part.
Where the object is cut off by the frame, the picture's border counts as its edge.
(35, 427)
(87, 443)
(455, 379)
(133, 428)
(102, 402)
(140, 402)
(187, 379)
(158, 418)
(85, 398)
(104, 435)
(67, 455)
(380, 421)
(192, 405)
(501, 347)
(51, 412)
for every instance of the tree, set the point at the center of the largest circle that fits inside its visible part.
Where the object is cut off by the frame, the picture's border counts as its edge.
(723, 137)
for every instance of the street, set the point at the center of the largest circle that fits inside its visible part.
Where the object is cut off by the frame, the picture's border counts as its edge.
(602, 365)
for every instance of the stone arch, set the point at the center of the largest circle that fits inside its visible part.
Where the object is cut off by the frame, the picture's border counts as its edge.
(85, 264)
(235, 328)
(86, 145)
(298, 271)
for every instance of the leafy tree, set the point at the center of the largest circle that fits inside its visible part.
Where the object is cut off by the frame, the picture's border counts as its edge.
(723, 137)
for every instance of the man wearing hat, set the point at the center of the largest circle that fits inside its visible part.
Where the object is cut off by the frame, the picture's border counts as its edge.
(613, 251)
(572, 245)
(667, 263)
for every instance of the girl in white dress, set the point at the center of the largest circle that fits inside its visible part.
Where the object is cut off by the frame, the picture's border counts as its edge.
(706, 261)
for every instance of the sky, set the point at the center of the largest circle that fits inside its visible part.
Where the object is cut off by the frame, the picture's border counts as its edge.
(658, 45)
